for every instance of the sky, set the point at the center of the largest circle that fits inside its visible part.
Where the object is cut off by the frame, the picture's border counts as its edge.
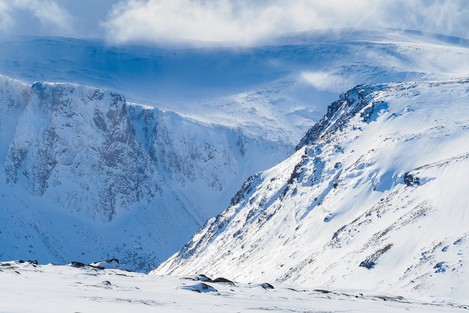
(237, 21)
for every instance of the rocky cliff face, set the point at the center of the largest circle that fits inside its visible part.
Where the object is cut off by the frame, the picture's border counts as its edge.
(76, 145)
(111, 166)
(13, 98)
(372, 199)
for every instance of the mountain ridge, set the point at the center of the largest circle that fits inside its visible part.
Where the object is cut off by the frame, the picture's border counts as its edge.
(276, 91)
(361, 204)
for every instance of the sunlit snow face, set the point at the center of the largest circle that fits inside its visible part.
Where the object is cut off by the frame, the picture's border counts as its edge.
(239, 22)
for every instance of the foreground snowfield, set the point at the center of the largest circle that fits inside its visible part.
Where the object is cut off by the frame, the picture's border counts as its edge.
(50, 288)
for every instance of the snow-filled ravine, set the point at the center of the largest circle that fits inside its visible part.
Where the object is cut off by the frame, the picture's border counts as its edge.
(27, 287)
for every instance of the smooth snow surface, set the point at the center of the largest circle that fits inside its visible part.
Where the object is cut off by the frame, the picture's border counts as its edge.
(50, 288)
(375, 198)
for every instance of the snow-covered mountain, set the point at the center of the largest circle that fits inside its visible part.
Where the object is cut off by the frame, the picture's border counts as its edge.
(375, 197)
(85, 175)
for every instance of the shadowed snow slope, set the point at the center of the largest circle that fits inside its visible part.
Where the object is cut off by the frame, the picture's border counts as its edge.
(374, 198)
(87, 176)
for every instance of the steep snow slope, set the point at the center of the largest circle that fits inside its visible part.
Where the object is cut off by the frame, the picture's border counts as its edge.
(374, 198)
(275, 91)
(85, 175)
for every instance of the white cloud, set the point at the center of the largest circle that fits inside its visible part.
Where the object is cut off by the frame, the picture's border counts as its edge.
(31, 17)
(5, 19)
(239, 21)
(247, 21)
(328, 81)
(48, 12)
